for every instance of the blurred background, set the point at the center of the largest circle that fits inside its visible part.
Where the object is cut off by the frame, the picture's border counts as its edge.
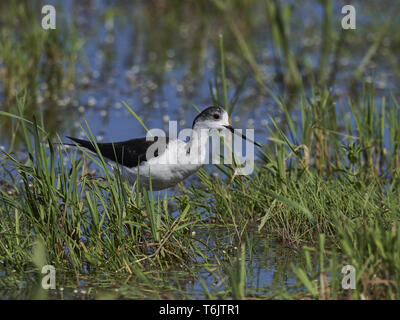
(162, 57)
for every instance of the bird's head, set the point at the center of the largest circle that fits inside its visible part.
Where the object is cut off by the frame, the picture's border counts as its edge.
(211, 118)
(215, 118)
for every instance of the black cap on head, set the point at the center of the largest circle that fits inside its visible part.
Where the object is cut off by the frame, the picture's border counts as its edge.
(211, 113)
(217, 113)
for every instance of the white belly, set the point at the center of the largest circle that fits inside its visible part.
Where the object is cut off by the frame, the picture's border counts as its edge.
(162, 176)
(170, 168)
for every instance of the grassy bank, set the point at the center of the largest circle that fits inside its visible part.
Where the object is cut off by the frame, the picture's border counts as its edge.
(324, 193)
(338, 208)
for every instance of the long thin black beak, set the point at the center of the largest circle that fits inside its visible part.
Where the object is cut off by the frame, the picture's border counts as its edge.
(231, 129)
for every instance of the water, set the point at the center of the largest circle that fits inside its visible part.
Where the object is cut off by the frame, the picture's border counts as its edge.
(162, 62)
(268, 269)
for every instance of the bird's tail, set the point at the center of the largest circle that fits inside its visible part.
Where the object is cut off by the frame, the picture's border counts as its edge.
(77, 142)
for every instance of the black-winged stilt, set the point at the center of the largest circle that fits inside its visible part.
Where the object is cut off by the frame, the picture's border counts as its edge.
(165, 161)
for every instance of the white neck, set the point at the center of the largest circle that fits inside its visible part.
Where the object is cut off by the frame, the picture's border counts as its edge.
(197, 146)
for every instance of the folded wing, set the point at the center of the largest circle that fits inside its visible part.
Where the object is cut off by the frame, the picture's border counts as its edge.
(127, 153)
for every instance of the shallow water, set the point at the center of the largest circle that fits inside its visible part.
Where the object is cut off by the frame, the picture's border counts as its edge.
(268, 270)
(161, 61)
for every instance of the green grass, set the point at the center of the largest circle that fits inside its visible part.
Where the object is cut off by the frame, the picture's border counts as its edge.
(325, 186)
(31, 58)
(99, 225)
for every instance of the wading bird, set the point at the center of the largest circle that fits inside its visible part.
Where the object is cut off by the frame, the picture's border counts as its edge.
(164, 161)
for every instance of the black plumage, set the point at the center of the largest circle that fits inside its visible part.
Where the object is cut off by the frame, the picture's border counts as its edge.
(128, 153)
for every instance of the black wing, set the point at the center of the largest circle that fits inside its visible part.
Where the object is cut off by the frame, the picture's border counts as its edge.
(127, 153)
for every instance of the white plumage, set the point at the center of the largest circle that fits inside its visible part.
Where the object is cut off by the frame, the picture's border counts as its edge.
(173, 162)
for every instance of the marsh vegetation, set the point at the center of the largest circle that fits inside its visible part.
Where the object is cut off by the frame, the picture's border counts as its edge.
(324, 194)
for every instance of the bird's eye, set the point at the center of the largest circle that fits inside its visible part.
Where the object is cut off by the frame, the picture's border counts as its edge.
(216, 116)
